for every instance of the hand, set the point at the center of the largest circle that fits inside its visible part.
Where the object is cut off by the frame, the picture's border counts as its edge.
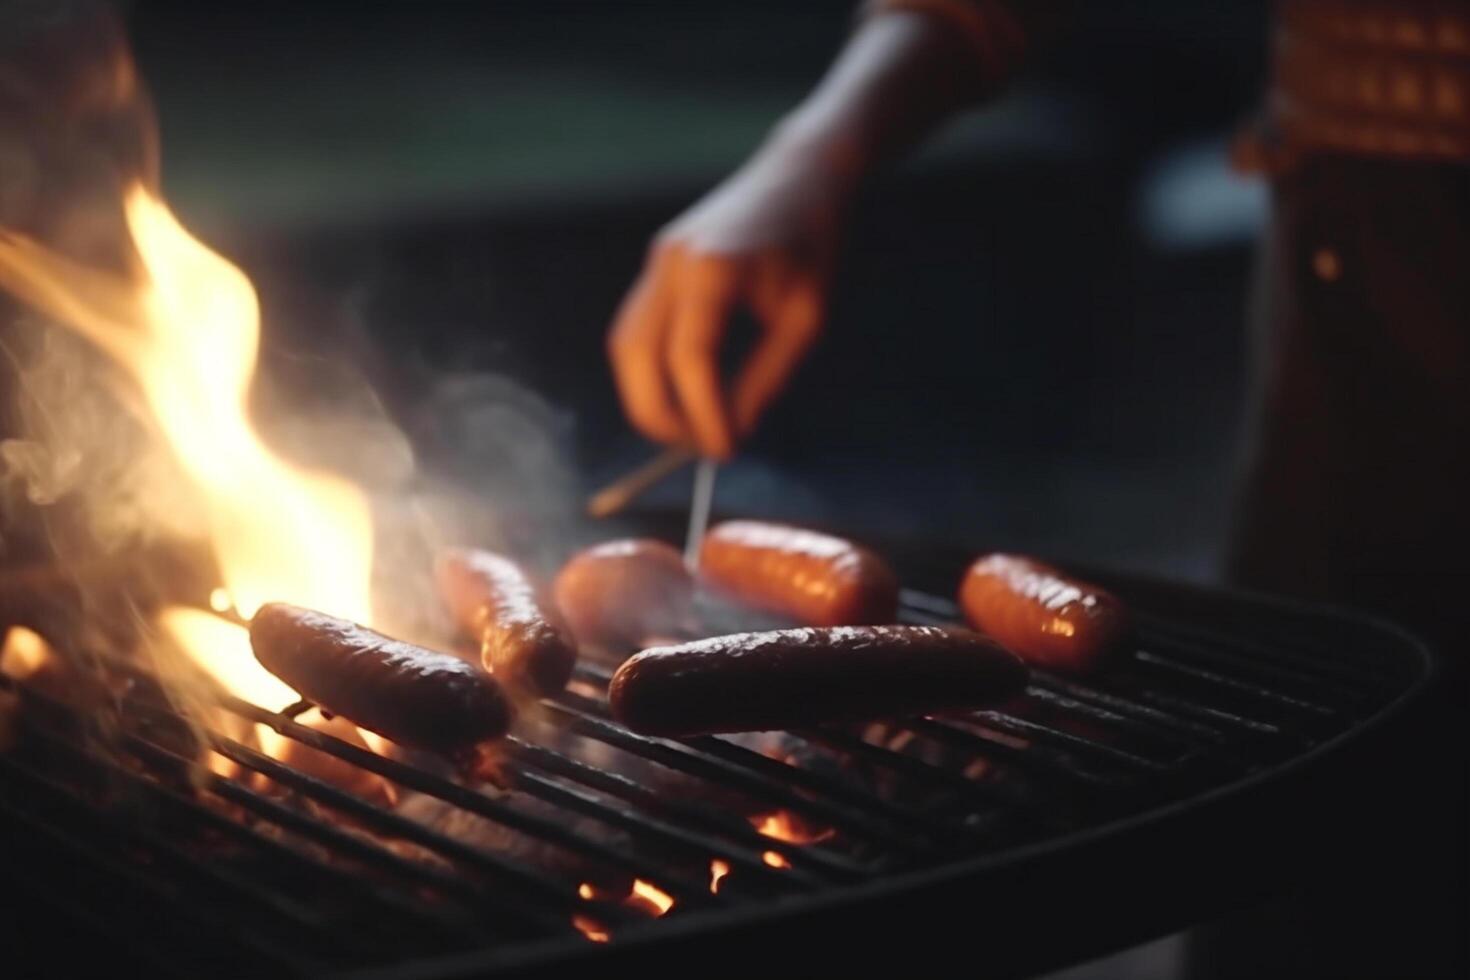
(765, 239)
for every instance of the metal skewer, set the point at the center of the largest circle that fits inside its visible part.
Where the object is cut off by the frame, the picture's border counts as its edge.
(699, 507)
(627, 488)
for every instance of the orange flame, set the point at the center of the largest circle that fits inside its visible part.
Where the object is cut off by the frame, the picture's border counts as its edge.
(718, 871)
(776, 859)
(658, 899)
(187, 330)
(644, 896)
(783, 825)
(24, 654)
(595, 931)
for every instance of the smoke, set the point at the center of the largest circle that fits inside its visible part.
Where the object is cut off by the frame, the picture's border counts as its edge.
(76, 126)
(483, 461)
(86, 461)
(494, 471)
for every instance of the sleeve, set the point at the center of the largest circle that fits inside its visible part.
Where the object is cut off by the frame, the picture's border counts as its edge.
(998, 32)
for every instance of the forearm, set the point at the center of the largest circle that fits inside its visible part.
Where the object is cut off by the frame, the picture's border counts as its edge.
(900, 75)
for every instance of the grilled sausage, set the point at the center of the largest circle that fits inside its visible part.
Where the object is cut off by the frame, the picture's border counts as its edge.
(809, 676)
(418, 698)
(618, 593)
(1050, 620)
(522, 640)
(815, 579)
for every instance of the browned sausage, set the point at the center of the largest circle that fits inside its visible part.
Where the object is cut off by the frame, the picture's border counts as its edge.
(618, 593)
(1047, 618)
(522, 640)
(816, 579)
(808, 676)
(418, 698)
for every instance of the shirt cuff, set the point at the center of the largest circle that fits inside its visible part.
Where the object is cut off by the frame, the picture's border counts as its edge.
(988, 28)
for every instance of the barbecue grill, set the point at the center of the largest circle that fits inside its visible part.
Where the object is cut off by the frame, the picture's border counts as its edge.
(1086, 815)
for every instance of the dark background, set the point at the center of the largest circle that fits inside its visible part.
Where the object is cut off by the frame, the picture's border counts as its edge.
(1036, 339)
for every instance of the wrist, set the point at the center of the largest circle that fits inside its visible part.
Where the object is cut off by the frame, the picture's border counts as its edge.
(832, 153)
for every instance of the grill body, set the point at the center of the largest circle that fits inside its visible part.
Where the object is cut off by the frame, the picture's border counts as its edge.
(1238, 750)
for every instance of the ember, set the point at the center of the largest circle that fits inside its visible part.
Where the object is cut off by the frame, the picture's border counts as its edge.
(783, 825)
(775, 859)
(24, 654)
(595, 931)
(718, 871)
(642, 895)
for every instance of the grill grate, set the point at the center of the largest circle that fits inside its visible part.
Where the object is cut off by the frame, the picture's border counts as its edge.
(197, 870)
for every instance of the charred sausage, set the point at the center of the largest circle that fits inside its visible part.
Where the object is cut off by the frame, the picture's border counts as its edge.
(809, 676)
(617, 594)
(418, 698)
(813, 578)
(1049, 619)
(522, 640)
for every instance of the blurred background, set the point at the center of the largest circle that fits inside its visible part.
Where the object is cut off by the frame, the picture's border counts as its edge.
(1036, 340)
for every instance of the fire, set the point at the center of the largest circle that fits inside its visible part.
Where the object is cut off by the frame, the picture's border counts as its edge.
(659, 900)
(718, 871)
(595, 931)
(24, 654)
(26, 658)
(223, 649)
(642, 895)
(775, 859)
(1059, 627)
(783, 825)
(186, 330)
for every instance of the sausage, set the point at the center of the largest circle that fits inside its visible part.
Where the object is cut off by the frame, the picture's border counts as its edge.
(522, 640)
(809, 676)
(618, 593)
(421, 699)
(1049, 619)
(815, 579)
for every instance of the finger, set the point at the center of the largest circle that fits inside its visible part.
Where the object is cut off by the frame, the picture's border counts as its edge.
(635, 347)
(702, 312)
(792, 319)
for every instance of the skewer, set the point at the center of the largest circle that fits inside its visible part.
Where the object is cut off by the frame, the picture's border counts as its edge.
(699, 506)
(628, 487)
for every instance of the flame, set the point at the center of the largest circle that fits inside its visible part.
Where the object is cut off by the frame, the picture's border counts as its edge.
(591, 928)
(1057, 626)
(24, 654)
(222, 649)
(660, 900)
(783, 825)
(186, 329)
(775, 859)
(718, 871)
(644, 896)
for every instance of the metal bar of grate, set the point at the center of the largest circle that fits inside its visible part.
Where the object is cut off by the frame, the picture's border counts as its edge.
(831, 866)
(167, 876)
(1319, 679)
(1234, 685)
(496, 811)
(371, 855)
(124, 890)
(823, 800)
(1192, 706)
